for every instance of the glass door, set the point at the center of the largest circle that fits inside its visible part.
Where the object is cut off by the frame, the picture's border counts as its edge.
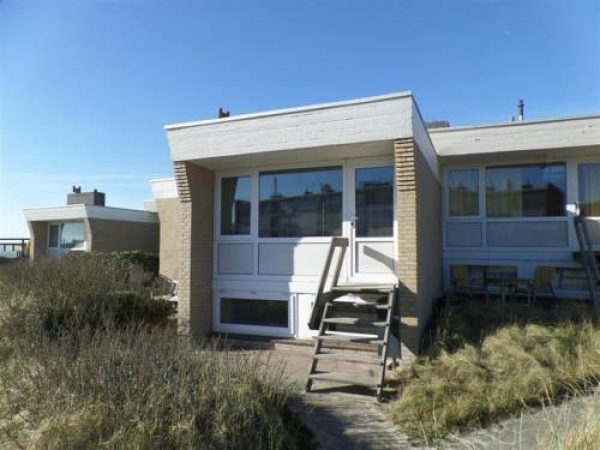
(371, 218)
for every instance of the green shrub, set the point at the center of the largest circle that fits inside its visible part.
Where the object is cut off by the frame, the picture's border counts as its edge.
(148, 262)
(135, 388)
(467, 383)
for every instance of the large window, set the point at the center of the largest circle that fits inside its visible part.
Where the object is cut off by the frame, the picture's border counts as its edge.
(463, 193)
(303, 202)
(266, 313)
(235, 205)
(589, 189)
(66, 236)
(526, 191)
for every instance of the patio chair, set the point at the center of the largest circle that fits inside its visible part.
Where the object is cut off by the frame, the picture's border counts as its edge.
(462, 283)
(541, 285)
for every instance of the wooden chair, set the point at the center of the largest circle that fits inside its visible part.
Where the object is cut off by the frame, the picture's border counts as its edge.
(541, 285)
(463, 285)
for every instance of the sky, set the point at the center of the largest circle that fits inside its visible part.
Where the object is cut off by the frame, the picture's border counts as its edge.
(86, 86)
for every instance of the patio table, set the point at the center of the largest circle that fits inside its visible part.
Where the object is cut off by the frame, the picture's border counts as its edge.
(506, 284)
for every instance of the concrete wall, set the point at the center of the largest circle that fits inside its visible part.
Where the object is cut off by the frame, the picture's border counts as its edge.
(39, 239)
(419, 265)
(113, 235)
(169, 215)
(195, 186)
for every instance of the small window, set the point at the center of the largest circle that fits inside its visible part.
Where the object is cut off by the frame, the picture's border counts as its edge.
(265, 313)
(375, 201)
(304, 202)
(463, 193)
(526, 191)
(589, 189)
(53, 232)
(235, 205)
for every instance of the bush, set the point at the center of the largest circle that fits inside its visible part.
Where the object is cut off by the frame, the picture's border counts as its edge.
(72, 293)
(518, 364)
(134, 388)
(148, 262)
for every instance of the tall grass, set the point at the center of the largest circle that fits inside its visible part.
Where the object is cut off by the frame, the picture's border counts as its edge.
(86, 361)
(515, 364)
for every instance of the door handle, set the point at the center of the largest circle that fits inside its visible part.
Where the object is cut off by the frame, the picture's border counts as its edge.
(353, 220)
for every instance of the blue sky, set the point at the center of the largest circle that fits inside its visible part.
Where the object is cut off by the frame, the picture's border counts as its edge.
(86, 86)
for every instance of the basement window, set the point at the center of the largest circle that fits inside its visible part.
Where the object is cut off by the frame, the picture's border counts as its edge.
(256, 312)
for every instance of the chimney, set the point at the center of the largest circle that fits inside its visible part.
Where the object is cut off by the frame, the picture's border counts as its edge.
(437, 124)
(521, 108)
(94, 198)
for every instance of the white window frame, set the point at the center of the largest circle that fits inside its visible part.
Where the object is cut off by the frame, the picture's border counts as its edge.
(253, 329)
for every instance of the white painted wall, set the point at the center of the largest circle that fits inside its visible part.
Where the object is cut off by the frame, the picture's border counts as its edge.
(364, 120)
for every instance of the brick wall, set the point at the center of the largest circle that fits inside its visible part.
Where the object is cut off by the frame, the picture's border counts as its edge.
(195, 186)
(418, 215)
(169, 218)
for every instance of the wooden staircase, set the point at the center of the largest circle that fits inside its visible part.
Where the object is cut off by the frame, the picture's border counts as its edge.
(356, 323)
(589, 259)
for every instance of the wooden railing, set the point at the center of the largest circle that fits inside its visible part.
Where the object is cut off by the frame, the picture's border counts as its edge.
(14, 248)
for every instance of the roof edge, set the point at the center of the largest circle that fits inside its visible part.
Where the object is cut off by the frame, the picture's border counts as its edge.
(512, 124)
(277, 112)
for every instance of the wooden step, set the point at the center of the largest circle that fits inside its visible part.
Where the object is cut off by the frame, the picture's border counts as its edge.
(354, 321)
(349, 357)
(346, 338)
(364, 288)
(340, 377)
(361, 303)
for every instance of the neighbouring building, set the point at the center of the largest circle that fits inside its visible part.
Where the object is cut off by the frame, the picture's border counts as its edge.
(247, 221)
(86, 224)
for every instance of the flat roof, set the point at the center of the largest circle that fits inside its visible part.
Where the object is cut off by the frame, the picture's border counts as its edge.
(81, 211)
(528, 135)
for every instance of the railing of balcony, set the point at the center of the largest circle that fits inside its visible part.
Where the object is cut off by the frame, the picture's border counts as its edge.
(14, 248)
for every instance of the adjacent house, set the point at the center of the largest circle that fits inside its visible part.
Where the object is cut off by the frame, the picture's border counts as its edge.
(258, 198)
(86, 224)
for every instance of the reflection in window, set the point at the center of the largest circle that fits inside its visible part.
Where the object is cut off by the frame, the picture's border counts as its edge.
(266, 313)
(303, 202)
(374, 201)
(589, 189)
(463, 192)
(72, 236)
(235, 205)
(53, 231)
(527, 191)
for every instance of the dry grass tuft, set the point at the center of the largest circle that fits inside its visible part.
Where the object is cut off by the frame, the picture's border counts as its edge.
(516, 365)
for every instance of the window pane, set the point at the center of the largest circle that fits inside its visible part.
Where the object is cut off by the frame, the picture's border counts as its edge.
(463, 193)
(72, 235)
(235, 205)
(305, 202)
(266, 313)
(374, 201)
(53, 236)
(589, 189)
(528, 191)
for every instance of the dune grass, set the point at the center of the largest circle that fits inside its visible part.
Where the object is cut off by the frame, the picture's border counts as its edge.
(490, 361)
(87, 360)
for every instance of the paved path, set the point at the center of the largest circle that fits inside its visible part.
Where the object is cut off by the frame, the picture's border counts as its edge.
(348, 418)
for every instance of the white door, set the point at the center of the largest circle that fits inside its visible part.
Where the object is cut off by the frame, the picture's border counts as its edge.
(371, 217)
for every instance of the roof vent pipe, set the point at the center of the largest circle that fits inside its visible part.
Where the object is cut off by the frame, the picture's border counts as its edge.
(521, 108)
